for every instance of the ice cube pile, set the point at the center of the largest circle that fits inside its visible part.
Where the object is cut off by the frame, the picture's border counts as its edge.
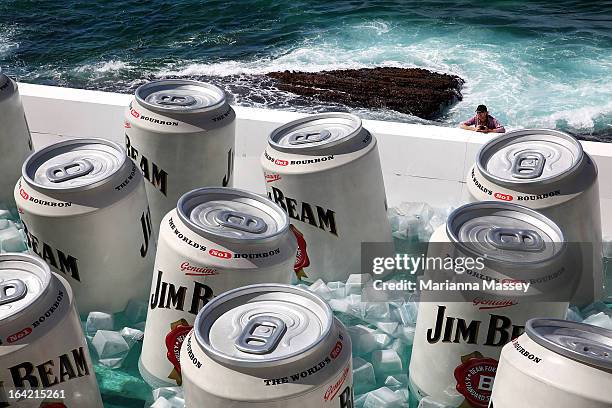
(12, 235)
(381, 332)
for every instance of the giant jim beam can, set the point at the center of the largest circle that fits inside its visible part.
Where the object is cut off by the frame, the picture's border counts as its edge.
(548, 171)
(467, 315)
(181, 135)
(556, 363)
(15, 139)
(44, 360)
(216, 239)
(84, 209)
(267, 346)
(324, 171)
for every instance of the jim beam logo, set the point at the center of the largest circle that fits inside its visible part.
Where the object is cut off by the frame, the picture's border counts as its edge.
(301, 258)
(174, 340)
(475, 376)
(170, 296)
(315, 215)
(499, 331)
(56, 258)
(65, 367)
(147, 230)
(153, 173)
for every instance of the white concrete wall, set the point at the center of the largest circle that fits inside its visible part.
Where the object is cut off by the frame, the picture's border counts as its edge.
(420, 163)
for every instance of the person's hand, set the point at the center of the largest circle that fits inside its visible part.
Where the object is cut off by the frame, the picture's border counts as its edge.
(485, 130)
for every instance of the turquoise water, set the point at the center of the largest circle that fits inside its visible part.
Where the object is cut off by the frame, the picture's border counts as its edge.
(533, 63)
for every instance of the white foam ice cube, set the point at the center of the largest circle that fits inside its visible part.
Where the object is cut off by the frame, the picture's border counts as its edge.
(109, 344)
(596, 307)
(363, 375)
(136, 311)
(384, 398)
(429, 402)
(376, 310)
(5, 214)
(362, 338)
(403, 393)
(131, 336)
(359, 400)
(167, 392)
(386, 362)
(382, 339)
(340, 305)
(98, 321)
(387, 327)
(404, 313)
(400, 347)
(573, 314)
(161, 402)
(320, 288)
(337, 289)
(111, 348)
(355, 283)
(600, 319)
(607, 246)
(393, 383)
(5, 224)
(406, 333)
(12, 239)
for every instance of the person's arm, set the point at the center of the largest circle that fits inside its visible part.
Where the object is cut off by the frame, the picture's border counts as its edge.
(499, 128)
(469, 124)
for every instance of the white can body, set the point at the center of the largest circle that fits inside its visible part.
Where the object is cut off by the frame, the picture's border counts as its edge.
(320, 377)
(190, 269)
(47, 359)
(337, 201)
(571, 201)
(15, 139)
(179, 151)
(99, 239)
(533, 376)
(459, 338)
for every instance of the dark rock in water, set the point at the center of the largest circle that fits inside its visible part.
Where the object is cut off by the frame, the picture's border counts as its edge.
(414, 91)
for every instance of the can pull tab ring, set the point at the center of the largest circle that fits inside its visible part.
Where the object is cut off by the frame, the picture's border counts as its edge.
(167, 99)
(261, 335)
(12, 290)
(69, 171)
(309, 137)
(241, 221)
(515, 239)
(528, 165)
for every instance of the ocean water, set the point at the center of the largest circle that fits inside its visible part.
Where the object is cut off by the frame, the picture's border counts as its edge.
(533, 63)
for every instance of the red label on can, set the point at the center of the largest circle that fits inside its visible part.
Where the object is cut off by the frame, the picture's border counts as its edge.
(280, 162)
(503, 197)
(52, 405)
(475, 380)
(333, 389)
(23, 194)
(174, 341)
(19, 335)
(220, 254)
(127, 125)
(134, 113)
(272, 177)
(301, 258)
(336, 351)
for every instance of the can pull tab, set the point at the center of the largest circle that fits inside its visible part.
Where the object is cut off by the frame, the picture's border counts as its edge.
(515, 239)
(309, 137)
(167, 99)
(241, 221)
(528, 165)
(12, 290)
(261, 335)
(69, 171)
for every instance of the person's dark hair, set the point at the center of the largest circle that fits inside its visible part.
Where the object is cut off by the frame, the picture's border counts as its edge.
(481, 108)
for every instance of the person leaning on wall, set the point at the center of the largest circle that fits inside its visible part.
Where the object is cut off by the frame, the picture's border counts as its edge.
(483, 122)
